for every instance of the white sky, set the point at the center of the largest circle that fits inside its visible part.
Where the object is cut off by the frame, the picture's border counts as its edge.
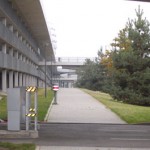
(83, 26)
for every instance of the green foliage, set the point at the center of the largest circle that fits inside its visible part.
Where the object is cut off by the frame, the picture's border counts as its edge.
(131, 73)
(123, 72)
(3, 108)
(12, 146)
(91, 76)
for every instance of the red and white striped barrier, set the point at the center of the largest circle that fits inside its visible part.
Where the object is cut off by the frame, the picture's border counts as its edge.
(55, 88)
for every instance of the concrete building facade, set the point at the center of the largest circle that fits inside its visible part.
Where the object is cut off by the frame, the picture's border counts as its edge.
(24, 42)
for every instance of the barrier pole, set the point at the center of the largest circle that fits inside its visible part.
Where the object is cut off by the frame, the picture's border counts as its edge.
(27, 109)
(55, 97)
(35, 107)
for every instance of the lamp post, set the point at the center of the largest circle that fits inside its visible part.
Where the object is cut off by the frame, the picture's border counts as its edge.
(37, 84)
(45, 77)
(51, 71)
(45, 70)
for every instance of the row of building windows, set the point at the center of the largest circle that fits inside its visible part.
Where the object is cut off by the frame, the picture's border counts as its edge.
(14, 52)
(5, 48)
(16, 33)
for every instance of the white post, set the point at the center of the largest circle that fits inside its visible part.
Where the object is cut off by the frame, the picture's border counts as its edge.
(35, 106)
(27, 110)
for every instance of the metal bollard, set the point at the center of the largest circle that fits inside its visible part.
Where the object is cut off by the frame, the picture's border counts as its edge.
(55, 89)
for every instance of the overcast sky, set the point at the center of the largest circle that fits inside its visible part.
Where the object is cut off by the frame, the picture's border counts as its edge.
(83, 26)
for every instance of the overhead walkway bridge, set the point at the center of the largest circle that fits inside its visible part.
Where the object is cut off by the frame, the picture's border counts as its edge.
(67, 62)
(63, 70)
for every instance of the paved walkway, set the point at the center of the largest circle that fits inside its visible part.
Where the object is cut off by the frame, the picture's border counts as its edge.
(85, 148)
(75, 106)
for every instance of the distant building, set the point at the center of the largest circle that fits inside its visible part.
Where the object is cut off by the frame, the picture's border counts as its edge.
(24, 41)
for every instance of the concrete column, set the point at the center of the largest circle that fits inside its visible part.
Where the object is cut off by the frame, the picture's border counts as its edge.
(24, 80)
(20, 79)
(20, 56)
(11, 28)
(11, 52)
(10, 79)
(16, 79)
(40, 83)
(4, 21)
(24, 59)
(16, 33)
(20, 37)
(16, 54)
(35, 81)
(4, 48)
(24, 41)
(31, 81)
(4, 80)
(28, 80)
(27, 44)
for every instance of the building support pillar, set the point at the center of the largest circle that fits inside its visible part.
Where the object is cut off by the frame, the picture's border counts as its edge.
(4, 80)
(20, 79)
(10, 79)
(4, 48)
(16, 79)
(4, 21)
(24, 80)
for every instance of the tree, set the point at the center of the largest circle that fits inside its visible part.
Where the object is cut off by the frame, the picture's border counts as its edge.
(131, 62)
(91, 76)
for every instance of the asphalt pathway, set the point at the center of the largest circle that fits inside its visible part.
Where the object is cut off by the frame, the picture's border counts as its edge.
(75, 106)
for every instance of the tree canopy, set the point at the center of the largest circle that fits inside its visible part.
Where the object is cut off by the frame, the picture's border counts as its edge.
(123, 71)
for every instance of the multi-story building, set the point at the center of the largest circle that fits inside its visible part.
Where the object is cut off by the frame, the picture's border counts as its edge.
(24, 41)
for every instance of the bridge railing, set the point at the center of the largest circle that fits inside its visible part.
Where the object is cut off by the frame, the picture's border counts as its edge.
(74, 59)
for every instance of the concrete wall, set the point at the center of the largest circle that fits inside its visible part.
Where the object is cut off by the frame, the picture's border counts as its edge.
(19, 56)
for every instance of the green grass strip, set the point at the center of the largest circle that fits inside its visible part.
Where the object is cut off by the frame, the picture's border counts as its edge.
(44, 103)
(132, 114)
(12, 146)
(3, 108)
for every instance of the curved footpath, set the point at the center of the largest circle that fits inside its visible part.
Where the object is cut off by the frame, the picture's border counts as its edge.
(75, 106)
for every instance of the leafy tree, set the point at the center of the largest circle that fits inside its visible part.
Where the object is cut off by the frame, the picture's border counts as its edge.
(124, 71)
(91, 75)
(131, 62)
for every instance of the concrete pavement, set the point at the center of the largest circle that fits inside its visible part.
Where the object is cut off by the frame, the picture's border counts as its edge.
(85, 148)
(75, 106)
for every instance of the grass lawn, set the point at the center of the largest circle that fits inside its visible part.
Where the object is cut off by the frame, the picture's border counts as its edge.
(43, 104)
(11, 146)
(3, 108)
(132, 114)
